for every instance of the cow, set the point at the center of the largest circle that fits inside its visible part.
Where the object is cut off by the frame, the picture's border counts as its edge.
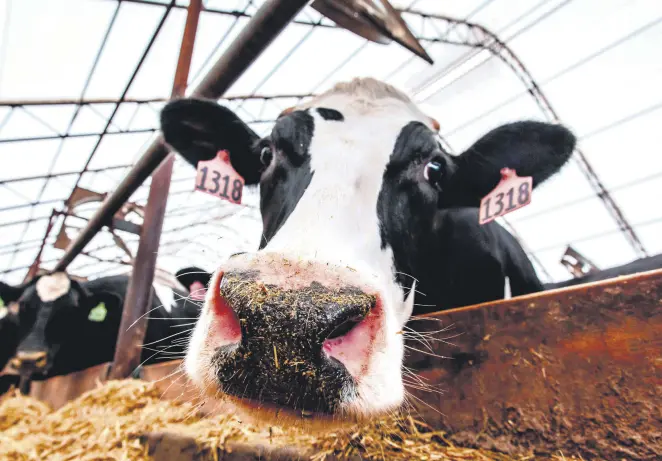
(639, 265)
(8, 331)
(64, 325)
(362, 210)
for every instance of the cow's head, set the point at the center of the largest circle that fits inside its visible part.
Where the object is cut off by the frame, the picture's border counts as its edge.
(311, 324)
(52, 310)
(195, 280)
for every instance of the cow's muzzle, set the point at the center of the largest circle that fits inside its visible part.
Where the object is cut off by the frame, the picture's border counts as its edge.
(295, 337)
(30, 362)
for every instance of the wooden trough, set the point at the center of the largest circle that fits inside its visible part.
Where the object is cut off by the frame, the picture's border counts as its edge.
(577, 370)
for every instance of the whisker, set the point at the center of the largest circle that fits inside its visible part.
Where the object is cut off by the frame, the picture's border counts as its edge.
(427, 353)
(168, 337)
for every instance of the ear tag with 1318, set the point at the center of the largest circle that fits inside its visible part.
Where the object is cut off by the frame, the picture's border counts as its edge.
(217, 177)
(512, 192)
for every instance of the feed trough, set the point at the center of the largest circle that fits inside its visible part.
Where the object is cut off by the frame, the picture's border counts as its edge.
(572, 371)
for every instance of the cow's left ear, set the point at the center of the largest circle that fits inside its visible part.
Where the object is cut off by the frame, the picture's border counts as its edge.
(198, 129)
(9, 293)
(535, 149)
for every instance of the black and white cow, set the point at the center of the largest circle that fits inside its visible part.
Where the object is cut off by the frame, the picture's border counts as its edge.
(358, 199)
(64, 326)
(639, 265)
(8, 330)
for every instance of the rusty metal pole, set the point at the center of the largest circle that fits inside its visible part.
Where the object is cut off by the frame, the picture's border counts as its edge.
(139, 293)
(264, 26)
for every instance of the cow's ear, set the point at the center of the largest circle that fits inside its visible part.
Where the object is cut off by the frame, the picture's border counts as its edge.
(82, 290)
(189, 275)
(9, 293)
(198, 129)
(535, 149)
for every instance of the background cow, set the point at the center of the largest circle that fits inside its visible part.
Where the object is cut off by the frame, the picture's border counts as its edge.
(634, 267)
(65, 326)
(358, 200)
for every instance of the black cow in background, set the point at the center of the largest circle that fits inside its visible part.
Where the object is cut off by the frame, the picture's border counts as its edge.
(62, 325)
(8, 331)
(639, 265)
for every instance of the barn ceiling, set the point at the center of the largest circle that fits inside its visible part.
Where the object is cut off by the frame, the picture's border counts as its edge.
(81, 85)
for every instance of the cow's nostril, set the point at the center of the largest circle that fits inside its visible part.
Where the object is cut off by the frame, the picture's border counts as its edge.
(345, 327)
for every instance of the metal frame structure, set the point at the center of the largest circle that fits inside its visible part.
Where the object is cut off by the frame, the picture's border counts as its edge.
(438, 28)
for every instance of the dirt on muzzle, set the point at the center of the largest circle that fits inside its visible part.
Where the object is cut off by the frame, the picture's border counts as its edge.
(280, 359)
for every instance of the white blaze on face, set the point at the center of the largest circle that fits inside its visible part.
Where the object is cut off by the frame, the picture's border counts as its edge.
(336, 221)
(51, 287)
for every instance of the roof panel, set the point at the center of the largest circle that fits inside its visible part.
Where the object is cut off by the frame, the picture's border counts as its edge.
(308, 76)
(132, 30)
(252, 79)
(118, 149)
(155, 77)
(36, 63)
(576, 44)
(571, 223)
(20, 124)
(649, 234)
(626, 151)
(73, 154)
(632, 86)
(463, 134)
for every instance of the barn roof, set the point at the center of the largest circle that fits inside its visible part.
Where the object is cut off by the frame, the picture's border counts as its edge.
(81, 85)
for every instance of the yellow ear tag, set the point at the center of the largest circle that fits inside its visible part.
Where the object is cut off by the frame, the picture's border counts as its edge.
(98, 314)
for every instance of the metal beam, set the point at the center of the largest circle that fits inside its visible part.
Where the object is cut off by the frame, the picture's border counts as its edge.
(261, 30)
(87, 102)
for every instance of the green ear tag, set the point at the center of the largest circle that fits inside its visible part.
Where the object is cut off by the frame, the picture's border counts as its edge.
(2, 303)
(98, 314)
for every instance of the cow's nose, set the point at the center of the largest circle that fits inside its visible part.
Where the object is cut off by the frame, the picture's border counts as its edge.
(292, 344)
(34, 360)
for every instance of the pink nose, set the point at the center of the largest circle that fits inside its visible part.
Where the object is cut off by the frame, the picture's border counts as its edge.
(197, 291)
(277, 331)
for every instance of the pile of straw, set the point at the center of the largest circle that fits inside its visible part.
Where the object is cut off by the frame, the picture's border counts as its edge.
(110, 422)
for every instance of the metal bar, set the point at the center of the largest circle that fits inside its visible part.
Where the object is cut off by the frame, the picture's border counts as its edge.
(65, 173)
(77, 135)
(261, 30)
(37, 260)
(86, 102)
(139, 292)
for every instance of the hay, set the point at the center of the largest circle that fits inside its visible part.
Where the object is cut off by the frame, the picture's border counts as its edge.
(109, 423)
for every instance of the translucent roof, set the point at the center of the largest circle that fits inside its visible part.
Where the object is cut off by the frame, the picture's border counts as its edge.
(81, 85)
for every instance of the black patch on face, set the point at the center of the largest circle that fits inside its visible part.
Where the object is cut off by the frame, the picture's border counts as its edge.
(330, 114)
(285, 180)
(280, 359)
(406, 203)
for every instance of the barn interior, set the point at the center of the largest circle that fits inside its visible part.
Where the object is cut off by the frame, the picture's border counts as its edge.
(88, 187)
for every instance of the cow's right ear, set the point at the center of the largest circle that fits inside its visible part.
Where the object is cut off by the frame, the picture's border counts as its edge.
(9, 294)
(198, 129)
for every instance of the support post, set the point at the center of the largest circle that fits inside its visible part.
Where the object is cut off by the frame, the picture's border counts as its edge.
(138, 295)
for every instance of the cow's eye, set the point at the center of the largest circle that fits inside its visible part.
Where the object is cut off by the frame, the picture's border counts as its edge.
(265, 155)
(434, 173)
